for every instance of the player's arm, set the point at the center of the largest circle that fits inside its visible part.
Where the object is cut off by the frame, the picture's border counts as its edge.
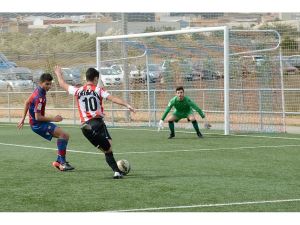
(38, 115)
(168, 109)
(201, 113)
(26, 107)
(196, 108)
(119, 101)
(41, 118)
(61, 81)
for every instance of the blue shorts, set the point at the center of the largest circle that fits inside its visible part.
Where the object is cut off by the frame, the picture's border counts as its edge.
(44, 129)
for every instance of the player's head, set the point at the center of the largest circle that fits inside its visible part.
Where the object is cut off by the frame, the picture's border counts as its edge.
(180, 92)
(46, 81)
(92, 75)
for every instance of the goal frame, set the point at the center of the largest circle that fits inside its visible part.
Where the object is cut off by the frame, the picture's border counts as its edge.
(225, 30)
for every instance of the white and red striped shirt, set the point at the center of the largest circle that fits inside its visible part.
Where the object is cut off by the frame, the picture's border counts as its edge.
(89, 101)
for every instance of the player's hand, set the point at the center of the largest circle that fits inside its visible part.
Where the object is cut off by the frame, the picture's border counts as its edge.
(57, 118)
(57, 71)
(131, 108)
(160, 125)
(207, 125)
(21, 124)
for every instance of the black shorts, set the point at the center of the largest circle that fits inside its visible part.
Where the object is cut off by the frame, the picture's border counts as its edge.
(98, 135)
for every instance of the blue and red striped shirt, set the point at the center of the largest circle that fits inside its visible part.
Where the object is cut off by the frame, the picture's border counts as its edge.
(37, 104)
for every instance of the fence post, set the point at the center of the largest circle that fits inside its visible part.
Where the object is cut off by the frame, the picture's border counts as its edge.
(74, 113)
(154, 106)
(260, 110)
(8, 104)
(112, 113)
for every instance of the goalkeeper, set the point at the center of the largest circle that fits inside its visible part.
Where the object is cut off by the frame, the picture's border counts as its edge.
(183, 109)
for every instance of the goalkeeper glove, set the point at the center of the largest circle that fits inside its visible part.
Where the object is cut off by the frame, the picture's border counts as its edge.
(160, 125)
(207, 125)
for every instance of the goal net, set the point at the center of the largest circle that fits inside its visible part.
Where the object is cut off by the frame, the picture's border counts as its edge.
(235, 77)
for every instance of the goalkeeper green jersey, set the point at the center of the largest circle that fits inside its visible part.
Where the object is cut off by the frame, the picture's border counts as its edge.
(183, 107)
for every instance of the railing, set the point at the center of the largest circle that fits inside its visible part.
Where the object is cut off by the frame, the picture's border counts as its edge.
(10, 104)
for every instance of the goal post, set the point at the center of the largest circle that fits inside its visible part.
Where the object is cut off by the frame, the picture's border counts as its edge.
(235, 76)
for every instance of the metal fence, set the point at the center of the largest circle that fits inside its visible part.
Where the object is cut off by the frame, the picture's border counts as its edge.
(150, 112)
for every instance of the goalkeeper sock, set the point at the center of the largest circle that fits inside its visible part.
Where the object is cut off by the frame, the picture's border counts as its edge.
(172, 127)
(196, 127)
(109, 157)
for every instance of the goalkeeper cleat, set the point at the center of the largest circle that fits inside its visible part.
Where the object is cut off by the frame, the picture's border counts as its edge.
(199, 135)
(118, 175)
(171, 136)
(63, 166)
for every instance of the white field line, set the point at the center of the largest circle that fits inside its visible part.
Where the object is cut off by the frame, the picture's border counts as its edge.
(167, 151)
(210, 205)
(186, 132)
(217, 134)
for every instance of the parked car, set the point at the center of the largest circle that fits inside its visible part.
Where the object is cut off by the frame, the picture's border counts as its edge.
(5, 63)
(137, 73)
(110, 76)
(7, 66)
(210, 75)
(251, 64)
(183, 67)
(71, 75)
(4, 85)
(154, 72)
(294, 61)
(257, 59)
(17, 82)
(288, 68)
(118, 68)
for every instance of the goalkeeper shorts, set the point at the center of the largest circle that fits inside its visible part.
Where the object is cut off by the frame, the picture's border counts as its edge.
(180, 116)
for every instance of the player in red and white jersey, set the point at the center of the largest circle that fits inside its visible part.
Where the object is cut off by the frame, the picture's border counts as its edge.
(89, 101)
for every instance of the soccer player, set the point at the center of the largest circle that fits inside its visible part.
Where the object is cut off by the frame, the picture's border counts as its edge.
(42, 124)
(89, 100)
(183, 109)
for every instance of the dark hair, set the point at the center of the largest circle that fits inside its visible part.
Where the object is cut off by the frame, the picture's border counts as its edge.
(91, 73)
(46, 77)
(179, 88)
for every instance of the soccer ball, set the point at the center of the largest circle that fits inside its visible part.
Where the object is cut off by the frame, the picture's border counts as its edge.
(124, 166)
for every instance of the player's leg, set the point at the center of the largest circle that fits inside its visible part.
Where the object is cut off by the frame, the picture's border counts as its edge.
(62, 142)
(99, 136)
(171, 119)
(192, 118)
(110, 160)
(48, 130)
(109, 155)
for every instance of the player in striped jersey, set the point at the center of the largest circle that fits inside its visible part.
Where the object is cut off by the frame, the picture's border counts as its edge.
(89, 99)
(41, 124)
